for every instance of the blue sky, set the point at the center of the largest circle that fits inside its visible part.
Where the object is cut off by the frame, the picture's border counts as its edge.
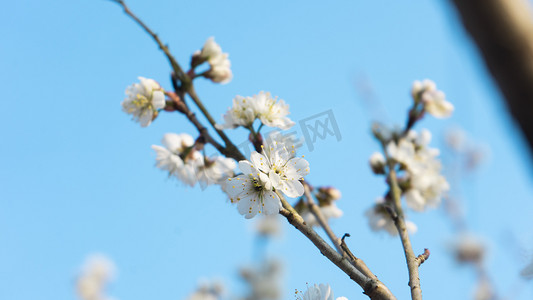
(78, 177)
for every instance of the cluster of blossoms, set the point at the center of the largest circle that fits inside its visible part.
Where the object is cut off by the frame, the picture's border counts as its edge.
(96, 273)
(262, 106)
(326, 196)
(181, 159)
(408, 152)
(143, 100)
(422, 181)
(468, 248)
(433, 101)
(319, 292)
(274, 170)
(220, 66)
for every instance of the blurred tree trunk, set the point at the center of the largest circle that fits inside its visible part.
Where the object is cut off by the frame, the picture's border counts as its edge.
(503, 32)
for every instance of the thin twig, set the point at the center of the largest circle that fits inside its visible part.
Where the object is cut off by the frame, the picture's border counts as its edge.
(182, 107)
(315, 210)
(231, 149)
(423, 257)
(399, 221)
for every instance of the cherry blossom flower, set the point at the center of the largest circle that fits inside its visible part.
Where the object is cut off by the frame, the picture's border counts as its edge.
(143, 100)
(284, 171)
(178, 157)
(271, 112)
(220, 66)
(426, 185)
(379, 219)
(214, 170)
(262, 106)
(243, 113)
(434, 100)
(252, 192)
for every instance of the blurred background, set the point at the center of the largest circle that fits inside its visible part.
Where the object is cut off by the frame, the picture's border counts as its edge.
(77, 176)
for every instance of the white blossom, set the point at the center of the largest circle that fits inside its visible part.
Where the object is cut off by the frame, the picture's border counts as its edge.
(220, 70)
(283, 170)
(290, 142)
(377, 163)
(97, 271)
(320, 292)
(243, 113)
(246, 110)
(467, 248)
(214, 170)
(269, 226)
(271, 112)
(422, 170)
(252, 192)
(379, 219)
(434, 100)
(143, 100)
(178, 157)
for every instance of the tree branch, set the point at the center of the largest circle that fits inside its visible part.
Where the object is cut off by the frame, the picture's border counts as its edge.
(399, 221)
(173, 62)
(502, 31)
(372, 287)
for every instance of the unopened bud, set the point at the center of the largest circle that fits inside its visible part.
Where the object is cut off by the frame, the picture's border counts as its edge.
(377, 163)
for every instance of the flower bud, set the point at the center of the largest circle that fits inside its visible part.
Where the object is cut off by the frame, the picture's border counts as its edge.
(377, 163)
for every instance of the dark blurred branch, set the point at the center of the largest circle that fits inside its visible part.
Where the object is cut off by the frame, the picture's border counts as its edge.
(503, 32)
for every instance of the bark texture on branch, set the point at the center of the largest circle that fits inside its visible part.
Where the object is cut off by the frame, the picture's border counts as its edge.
(503, 32)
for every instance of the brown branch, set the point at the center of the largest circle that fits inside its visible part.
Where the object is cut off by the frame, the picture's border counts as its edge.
(372, 287)
(399, 221)
(502, 30)
(315, 210)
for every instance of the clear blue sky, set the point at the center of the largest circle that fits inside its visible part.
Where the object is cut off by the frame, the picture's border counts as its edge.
(77, 176)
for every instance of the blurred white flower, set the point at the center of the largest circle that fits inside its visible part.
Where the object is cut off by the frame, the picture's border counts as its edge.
(269, 226)
(320, 292)
(484, 290)
(214, 170)
(220, 70)
(207, 291)
(379, 219)
(246, 110)
(328, 211)
(264, 280)
(178, 157)
(422, 170)
(143, 100)
(377, 163)
(467, 248)
(434, 100)
(96, 273)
